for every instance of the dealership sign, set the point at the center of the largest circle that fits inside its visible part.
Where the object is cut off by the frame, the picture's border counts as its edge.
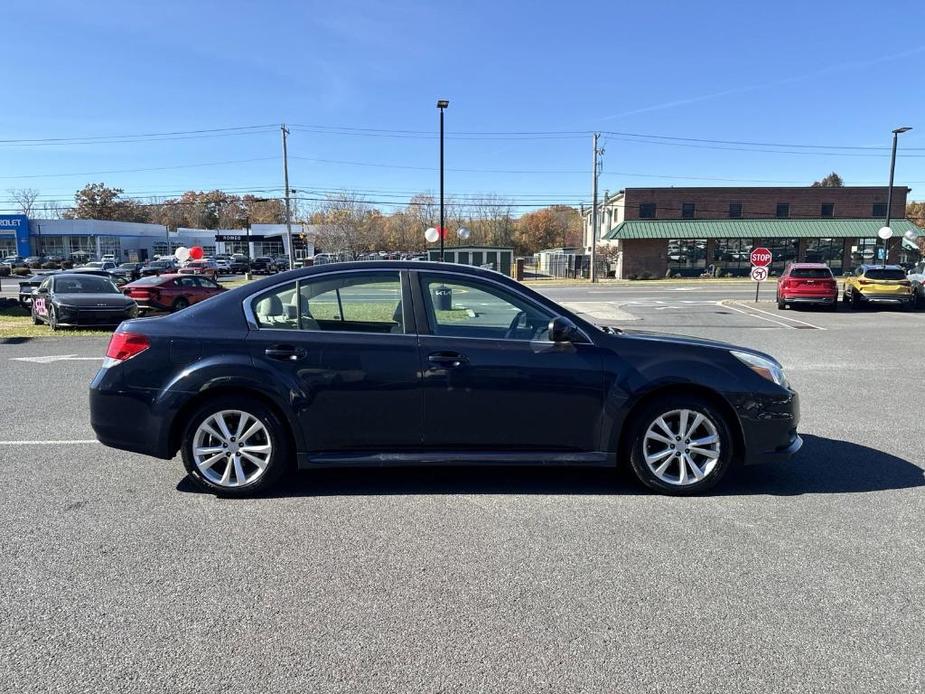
(19, 225)
(239, 237)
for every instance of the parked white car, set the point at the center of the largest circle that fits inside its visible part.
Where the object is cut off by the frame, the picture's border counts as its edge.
(917, 276)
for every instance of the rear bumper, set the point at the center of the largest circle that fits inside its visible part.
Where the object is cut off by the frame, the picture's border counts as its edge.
(820, 300)
(124, 419)
(885, 298)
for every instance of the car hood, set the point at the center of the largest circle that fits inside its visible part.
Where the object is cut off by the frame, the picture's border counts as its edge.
(93, 299)
(687, 341)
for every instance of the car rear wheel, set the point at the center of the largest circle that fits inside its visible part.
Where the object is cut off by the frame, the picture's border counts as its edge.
(52, 319)
(855, 302)
(680, 445)
(781, 304)
(235, 447)
(180, 304)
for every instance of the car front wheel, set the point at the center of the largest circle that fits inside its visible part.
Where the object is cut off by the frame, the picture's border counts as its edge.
(235, 447)
(681, 445)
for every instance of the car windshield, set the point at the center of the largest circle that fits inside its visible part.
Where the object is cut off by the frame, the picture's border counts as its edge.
(811, 273)
(885, 274)
(84, 284)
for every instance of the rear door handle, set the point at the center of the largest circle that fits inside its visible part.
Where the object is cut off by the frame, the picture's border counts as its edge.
(285, 352)
(447, 360)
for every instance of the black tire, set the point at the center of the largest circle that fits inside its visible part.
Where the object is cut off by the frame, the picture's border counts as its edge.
(279, 463)
(781, 304)
(35, 319)
(52, 319)
(844, 296)
(179, 304)
(650, 413)
(855, 302)
(834, 306)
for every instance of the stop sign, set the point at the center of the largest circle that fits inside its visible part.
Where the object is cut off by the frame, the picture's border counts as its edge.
(760, 257)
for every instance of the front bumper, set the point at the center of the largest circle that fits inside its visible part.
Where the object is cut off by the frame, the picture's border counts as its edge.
(769, 426)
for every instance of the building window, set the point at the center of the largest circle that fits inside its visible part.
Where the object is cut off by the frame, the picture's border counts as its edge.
(828, 251)
(687, 256)
(878, 210)
(687, 210)
(783, 210)
(827, 210)
(647, 210)
(735, 210)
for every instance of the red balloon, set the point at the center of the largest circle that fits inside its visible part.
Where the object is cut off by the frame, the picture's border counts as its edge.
(196, 252)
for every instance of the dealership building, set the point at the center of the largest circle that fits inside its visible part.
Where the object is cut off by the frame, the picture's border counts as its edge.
(692, 231)
(131, 241)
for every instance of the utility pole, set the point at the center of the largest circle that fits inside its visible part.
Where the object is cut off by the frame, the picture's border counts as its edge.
(595, 171)
(285, 133)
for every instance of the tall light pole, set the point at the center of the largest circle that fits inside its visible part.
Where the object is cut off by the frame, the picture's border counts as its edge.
(889, 193)
(441, 104)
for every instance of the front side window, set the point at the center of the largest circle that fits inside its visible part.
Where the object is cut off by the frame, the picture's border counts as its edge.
(463, 307)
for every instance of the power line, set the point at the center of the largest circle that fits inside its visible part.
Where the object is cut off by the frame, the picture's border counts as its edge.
(80, 138)
(153, 168)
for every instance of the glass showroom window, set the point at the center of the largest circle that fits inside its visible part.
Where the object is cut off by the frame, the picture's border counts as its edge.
(687, 256)
(111, 244)
(7, 246)
(783, 251)
(51, 245)
(864, 251)
(828, 251)
(732, 256)
(87, 244)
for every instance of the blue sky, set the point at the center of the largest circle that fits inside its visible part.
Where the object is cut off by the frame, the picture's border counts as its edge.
(800, 73)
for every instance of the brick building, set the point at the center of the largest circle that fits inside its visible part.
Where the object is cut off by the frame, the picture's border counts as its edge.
(687, 231)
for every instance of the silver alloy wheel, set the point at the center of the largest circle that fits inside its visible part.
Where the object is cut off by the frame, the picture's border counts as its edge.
(231, 448)
(681, 447)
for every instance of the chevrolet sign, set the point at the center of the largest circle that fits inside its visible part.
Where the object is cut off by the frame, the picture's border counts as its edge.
(19, 224)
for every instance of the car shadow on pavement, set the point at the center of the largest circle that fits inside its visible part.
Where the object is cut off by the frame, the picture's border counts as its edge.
(823, 466)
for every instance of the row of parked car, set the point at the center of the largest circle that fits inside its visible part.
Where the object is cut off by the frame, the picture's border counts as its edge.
(814, 284)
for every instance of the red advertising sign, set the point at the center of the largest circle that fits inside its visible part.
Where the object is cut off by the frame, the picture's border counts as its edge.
(760, 257)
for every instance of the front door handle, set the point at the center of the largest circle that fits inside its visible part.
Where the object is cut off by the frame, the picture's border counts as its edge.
(447, 360)
(285, 352)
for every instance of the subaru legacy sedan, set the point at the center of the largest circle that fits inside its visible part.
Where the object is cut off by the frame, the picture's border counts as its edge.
(419, 363)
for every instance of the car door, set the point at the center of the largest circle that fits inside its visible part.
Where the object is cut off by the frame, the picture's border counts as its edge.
(493, 380)
(346, 345)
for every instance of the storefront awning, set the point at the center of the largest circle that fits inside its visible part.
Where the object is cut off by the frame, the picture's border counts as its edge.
(756, 228)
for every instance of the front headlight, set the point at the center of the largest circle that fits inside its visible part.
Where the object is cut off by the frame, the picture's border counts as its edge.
(763, 367)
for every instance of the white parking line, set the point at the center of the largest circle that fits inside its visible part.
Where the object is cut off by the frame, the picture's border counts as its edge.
(752, 315)
(803, 322)
(46, 443)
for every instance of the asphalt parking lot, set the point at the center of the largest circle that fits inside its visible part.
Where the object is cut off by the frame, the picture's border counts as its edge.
(806, 576)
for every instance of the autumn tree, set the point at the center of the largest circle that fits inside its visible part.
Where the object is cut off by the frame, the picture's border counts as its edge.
(349, 225)
(99, 201)
(833, 180)
(546, 228)
(915, 213)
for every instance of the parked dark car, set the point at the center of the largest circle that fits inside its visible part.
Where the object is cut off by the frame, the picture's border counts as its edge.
(130, 271)
(68, 299)
(117, 280)
(240, 263)
(171, 292)
(30, 284)
(263, 265)
(404, 362)
(158, 267)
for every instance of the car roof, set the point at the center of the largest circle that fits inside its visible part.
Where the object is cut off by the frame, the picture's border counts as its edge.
(810, 265)
(878, 266)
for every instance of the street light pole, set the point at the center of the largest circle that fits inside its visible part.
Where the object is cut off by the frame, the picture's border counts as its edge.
(889, 193)
(441, 104)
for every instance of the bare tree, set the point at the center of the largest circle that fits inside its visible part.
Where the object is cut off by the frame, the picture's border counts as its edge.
(349, 225)
(25, 199)
(51, 209)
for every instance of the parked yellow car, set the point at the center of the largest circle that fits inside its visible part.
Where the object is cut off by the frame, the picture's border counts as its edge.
(878, 284)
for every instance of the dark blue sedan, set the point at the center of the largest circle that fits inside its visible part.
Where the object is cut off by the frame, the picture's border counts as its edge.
(412, 363)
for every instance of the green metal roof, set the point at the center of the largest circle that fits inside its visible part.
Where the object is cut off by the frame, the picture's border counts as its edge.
(755, 228)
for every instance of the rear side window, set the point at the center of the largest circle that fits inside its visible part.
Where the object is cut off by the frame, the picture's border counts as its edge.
(277, 308)
(885, 274)
(816, 273)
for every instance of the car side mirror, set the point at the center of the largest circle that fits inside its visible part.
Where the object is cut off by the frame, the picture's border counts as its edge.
(562, 330)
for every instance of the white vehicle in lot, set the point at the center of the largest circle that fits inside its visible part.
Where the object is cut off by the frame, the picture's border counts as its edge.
(222, 266)
(917, 276)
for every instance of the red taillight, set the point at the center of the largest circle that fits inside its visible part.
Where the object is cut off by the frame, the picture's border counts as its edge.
(905, 283)
(124, 346)
(864, 282)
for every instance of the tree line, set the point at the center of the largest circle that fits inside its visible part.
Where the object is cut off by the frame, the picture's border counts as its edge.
(349, 223)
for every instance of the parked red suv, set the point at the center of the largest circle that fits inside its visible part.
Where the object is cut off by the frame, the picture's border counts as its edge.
(807, 283)
(171, 292)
